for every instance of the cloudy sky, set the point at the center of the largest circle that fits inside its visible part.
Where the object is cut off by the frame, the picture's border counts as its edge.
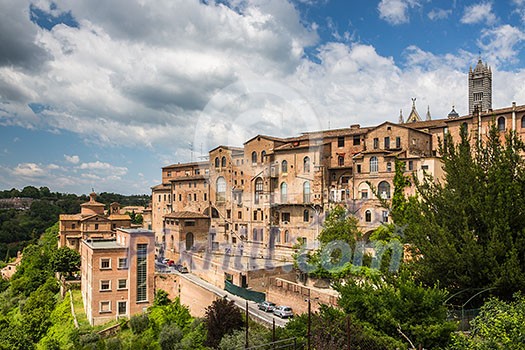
(103, 94)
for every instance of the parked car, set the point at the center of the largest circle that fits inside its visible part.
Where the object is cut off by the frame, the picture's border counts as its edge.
(283, 311)
(165, 260)
(182, 269)
(266, 306)
(170, 263)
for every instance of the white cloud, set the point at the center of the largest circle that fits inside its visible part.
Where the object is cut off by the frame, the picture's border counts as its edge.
(72, 159)
(103, 167)
(479, 13)
(499, 44)
(396, 11)
(437, 14)
(28, 170)
(53, 167)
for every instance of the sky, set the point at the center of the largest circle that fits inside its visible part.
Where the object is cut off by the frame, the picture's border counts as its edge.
(102, 94)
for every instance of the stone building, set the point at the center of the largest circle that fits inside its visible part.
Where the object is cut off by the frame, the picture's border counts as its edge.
(117, 274)
(263, 198)
(91, 222)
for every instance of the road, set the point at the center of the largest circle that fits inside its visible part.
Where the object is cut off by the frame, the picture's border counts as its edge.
(253, 310)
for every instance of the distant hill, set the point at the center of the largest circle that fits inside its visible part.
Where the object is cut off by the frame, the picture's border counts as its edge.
(26, 213)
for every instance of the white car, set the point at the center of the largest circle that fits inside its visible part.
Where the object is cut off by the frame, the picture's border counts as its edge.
(283, 311)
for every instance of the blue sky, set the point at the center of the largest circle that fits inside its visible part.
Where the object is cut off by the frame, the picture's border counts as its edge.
(103, 94)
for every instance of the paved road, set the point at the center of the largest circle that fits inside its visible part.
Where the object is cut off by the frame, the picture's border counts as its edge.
(266, 317)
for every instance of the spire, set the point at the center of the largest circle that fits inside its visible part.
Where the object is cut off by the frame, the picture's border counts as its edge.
(429, 117)
(414, 115)
(400, 121)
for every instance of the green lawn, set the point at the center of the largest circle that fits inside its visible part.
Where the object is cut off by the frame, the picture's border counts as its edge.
(83, 322)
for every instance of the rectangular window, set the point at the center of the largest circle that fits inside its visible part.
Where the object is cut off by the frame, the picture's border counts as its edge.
(105, 307)
(180, 197)
(239, 215)
(358, 168)
(195, 197)
(189, 223)
(424, 167)
(410, 165)
(357, 140)
(255, 215)
(478, 96)
(105, 285)
(398, 142)
(385, 216)
(364, 194)
(376, 143)
(387, 142)
(73, 226)
(228, 214)
(122, 284)
(389, 167)
(285, 217)
(189, 197)
(197, 171)
(142, 268)
(341, 141)
(96, 226)
(105, 263)
(122, 263)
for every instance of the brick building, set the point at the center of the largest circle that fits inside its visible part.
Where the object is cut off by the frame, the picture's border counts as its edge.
(91, 222)
(117, 274)
(262, 197)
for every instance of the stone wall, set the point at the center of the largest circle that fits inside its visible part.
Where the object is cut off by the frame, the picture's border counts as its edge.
(283, 292)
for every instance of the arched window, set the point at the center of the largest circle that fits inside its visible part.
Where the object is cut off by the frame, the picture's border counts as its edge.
(306, 192)
(306, 215)
(286, 236)
(254, 157)
(306, 164)
(384, 189)
(263, 154)
(464, 125)
(258, 189)
(223, 162)
(189, 241)
(340, 160)
(373, 164)
(221, 189)
(501, 123)
(254, 234)
(284, 166)
(368, 216)
(523, 122)
(216, 162)
(284, 192)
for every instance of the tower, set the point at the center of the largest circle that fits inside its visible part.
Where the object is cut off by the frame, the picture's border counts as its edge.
(479, 87)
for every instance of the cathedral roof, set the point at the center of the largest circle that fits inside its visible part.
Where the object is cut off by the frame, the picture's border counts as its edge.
(414, 115)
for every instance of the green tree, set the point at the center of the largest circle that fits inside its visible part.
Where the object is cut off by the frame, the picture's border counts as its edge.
(222, 317)
(473, 222)
(392, 305)
(500, 325)
(65, 260)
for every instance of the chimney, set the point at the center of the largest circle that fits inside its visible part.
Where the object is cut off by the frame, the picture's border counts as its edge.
(355, 126)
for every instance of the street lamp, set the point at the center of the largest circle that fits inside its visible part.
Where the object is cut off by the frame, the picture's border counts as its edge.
(308, 336)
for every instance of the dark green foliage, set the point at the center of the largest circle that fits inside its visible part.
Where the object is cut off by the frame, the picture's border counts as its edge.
(170, 337)
(339, 226)
(161, 298)
(135, 218)
(500, 325)
(388, 305)
(222, 317)
(473, 223)
(139, 323)
(65, 260)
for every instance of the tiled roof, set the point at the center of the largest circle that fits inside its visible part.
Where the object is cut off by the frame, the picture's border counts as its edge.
(161, 187)
(183, 165)
(185, 215)
(70, 217)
